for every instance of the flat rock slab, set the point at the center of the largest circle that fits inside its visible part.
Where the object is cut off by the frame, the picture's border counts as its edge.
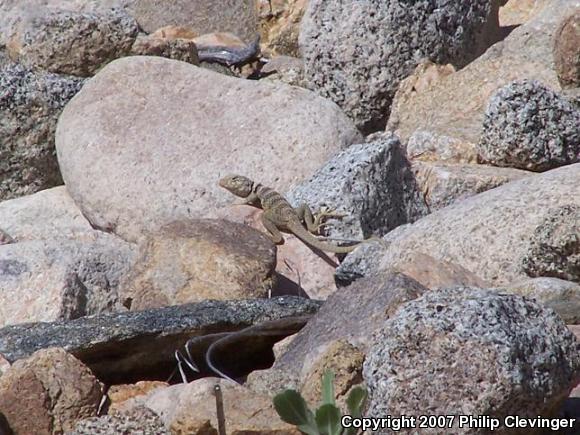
(140, 345)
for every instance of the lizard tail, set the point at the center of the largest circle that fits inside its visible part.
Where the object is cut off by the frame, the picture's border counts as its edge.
(308, 238)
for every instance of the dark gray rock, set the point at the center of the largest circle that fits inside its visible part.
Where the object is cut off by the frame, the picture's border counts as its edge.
(555, 245)
(371, 184)
(353, 314)
(76, 43)
(529, 126)
(357, 52)
(140, 345)
(471, 351)
(30, 104)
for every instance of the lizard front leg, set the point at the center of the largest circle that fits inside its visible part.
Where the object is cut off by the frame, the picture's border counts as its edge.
(272, 230)
(252, 199)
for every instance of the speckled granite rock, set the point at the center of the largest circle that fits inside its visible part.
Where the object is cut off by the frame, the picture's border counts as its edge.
(529, 126)
(30, 104)
(139, 420)
(472, 352)
(357, 52)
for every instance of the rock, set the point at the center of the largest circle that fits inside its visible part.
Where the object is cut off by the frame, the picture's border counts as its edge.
(561, 296)
(48, 393)
(444, 184)
(528, 126)
(169, 153)
(199, 260)
(175, 32)
(285, 69)
(139, 420)
(48, 214)
(566, 51)
(30, 104)
(5, 238)
(502, 235)
(141, 345)
(555, 245)
(454, 106)
(356, 53)
(177, 49)
(351, 314)
(465, 351)
(516, 12)
(59, 279)
(280, 25)
(431, 147)
(371, 184)
(246, 411)
(75, 43)
(118, 394)
(344, 360)
(272, 381)
(203, 16)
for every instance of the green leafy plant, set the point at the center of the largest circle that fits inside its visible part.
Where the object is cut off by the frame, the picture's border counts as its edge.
(326, 420)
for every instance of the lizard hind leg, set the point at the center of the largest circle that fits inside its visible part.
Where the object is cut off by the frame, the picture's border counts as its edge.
(314, 222)
(272, 230)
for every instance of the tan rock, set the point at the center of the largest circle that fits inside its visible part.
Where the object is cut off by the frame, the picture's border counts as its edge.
(223, 39)
(432, 147)
(118, 394)
(434, 273)
(280, 25)
(454, 106)
(48, 393)
(199, 260)
(567, 51)
(346, 363)
(516, 12)
(175, 32)
(177, 49)
(192, 405)
(285, 69)
(138, 151)
(444, 184)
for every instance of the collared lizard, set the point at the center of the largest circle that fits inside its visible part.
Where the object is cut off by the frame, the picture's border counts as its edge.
(279, 215)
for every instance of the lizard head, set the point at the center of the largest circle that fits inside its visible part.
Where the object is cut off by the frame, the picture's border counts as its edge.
(237, 184)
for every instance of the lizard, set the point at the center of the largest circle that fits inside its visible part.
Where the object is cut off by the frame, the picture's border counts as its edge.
(279, 215)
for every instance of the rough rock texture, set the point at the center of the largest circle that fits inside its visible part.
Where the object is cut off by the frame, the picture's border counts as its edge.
(372, 184)
(567, 51)
(118, 394)
(352, 314)
(516, 12)
(428, 146)
(199, 260)
(75, 43)
(139, 420)
(280, 25)
(285, 69)
(555, 245)
(61, 279)
(127, 339)
(138, 150)
(561, 296)
(500, 235)
(357, 52)
(528, 126)
(444, 184)
(185, 407)
(203, 16)
(30, 104)
(471, 352)
(48, 214)
(454, 107)
(48, 393)
(177, 49)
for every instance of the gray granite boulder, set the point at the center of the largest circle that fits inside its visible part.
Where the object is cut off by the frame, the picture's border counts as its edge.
(147, 139)
(371, 184)
(523, 228)
(468, 351)
(68, 42)
(529, 126)
(30, 104)
(357, 52)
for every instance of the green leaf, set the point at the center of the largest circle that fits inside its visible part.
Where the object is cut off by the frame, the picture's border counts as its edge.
(292, 408)
(328, 420)
(328, 388)
(356, 401)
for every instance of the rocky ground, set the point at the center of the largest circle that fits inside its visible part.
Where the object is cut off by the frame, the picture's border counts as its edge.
(130, 285)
